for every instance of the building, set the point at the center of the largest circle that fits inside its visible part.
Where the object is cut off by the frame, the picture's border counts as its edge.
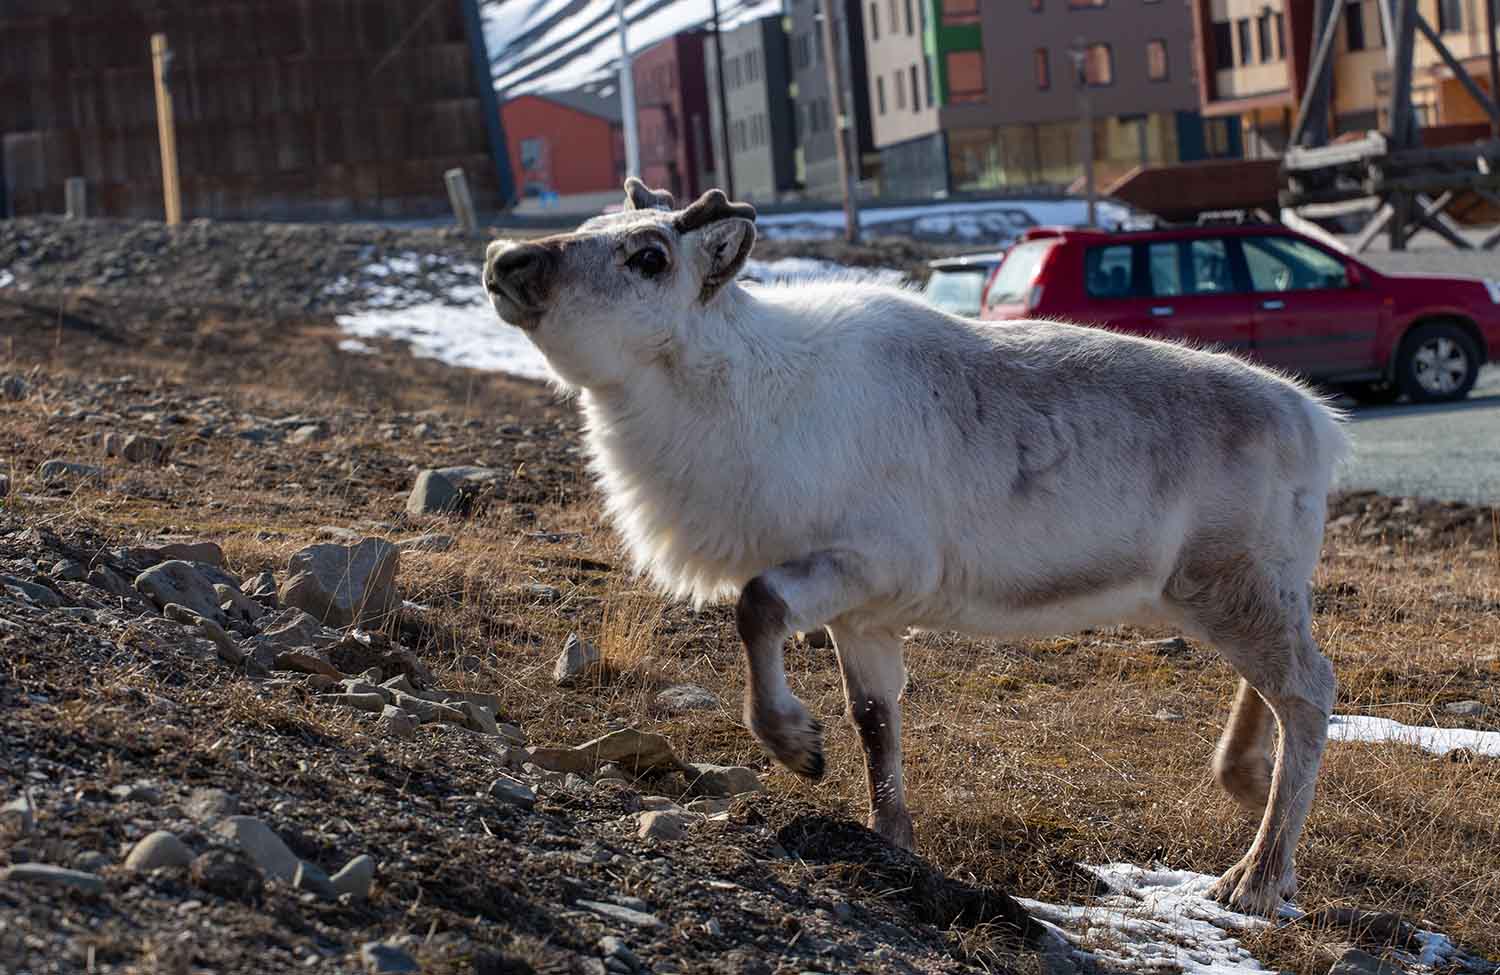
(1254, 57)
(570, 144)
(817, 148)
(284, 109)
(970, 96)
(761, 128)
(672, 117)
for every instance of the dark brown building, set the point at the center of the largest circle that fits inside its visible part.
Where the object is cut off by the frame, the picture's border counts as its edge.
(284, 108)
(671, 96)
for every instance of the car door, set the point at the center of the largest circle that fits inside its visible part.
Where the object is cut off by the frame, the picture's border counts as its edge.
(1309, 316)
(1193, 293)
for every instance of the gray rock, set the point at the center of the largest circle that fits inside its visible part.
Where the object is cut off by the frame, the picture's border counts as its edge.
(433, 494)
(18, 817)
(1465, 709)
(45, 874)
(31, 592)
(373, 703)
(430, 711)
(205, 805)
(1170, 647)
(344, 585)
(261, 844)
(635, 752)
(262, 589)
(205, 555)
(380, 958)
(237, 606)
(180, 582)
(686, 697)
(722, 780)
(67, 570)
(14, 387)
(138, 449)
(398, 723)
(513, 792)
(481, 718)
(206, 628)
(1356, 962)
(288, 629)
(308, 433)
(612, 947)
(709, 807)
(658, 804)
(577, 657)
(69, 472)
(666, 824)
(142, 791)
(431, 542)
(111, 582)
(158, 849)
(356, 877)
(624, 915)
(227, 873)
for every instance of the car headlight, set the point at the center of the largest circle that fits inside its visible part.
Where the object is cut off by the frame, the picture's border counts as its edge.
(1493, 287)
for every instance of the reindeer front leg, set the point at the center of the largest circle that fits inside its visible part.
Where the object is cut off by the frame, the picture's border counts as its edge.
(874, 676)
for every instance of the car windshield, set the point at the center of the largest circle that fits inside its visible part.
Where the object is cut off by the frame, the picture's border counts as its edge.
(1018, 271)
(957, 290)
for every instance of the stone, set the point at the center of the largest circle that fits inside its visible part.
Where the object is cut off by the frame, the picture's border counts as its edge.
(577, 657)
(512, 792)
(685, 697)
(430, 711)
(397, 723)
(291, 628)
(238, 607)
(176, 581)
(227, 873)
(267, 850)
(634, 751)
(432, 494)
(624, 915)
(31, 592)
(67, 570)
(1170, 647)
(709, 807)
(1356, 962)
(614, 948)
(356, 877)
(208, 629)
(137, 792)
(69, 472)
(721, 780)
(14, 387)
(203, 553)
(344, 585)
(45, 874)
(307, 660)
(158, 849)
(262, 589)
(308, 433)
(1465, 709)
(481, 718)
(138, 449)
(18, 817)
(111, 582)
(373, 703)
(205, 805)
(431, 542)
(380, 958)
(658, 804)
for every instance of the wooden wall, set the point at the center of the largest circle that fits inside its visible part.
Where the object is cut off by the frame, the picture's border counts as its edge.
(285, 108)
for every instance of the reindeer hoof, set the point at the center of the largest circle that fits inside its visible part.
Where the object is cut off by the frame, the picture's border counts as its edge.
(795, 739)
(1248, 891)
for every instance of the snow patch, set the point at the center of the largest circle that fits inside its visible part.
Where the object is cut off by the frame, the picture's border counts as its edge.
(6, 279)
(1439, 741)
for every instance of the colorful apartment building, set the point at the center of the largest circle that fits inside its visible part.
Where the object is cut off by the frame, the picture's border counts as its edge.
(567, 144)
(761, 130)
(672, 114)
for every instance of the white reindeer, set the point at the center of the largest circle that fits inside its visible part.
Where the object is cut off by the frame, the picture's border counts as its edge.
(845, 455)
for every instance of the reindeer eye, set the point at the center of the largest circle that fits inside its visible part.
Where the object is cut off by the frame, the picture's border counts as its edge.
(648, 263)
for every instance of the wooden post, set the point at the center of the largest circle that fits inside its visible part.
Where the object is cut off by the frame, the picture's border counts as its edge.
(75, 197)
(1311, 127)
(843, 127)
(461, 200)
(161, 69)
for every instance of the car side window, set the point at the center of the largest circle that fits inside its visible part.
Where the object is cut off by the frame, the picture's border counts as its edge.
(1164, 267)
(1286, 264)
(1208, 261)
(1107, 271)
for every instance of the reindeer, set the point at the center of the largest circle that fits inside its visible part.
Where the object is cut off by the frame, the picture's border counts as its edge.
(845, 455)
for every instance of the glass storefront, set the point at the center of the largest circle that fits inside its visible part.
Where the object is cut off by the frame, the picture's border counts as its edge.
(1047, 153)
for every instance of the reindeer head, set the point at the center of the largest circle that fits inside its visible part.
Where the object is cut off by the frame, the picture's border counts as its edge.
(615, 294)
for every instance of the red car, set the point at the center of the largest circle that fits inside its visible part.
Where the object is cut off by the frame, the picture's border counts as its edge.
(1264, 291)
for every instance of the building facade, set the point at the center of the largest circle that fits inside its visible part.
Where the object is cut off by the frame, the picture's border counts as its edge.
(672, 116)
(1254, 58)
(568, 143)
(759, 126)
(817, 148)
(970, 96)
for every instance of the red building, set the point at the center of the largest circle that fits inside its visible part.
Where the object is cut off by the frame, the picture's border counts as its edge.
(567, 142)
(671, 96)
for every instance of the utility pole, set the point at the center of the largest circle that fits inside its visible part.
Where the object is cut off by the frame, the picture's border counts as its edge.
(842, 127)
(723, 106)
(1079, 53)
(166, 128)
(627, 99)
(1489, 20)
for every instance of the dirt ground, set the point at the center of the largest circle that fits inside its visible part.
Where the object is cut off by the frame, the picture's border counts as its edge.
(1024, 759)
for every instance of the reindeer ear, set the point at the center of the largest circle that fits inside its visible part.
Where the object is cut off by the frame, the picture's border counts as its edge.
(638, 196)
(723, 248)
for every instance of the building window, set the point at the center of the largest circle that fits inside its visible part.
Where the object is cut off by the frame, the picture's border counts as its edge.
(533, 151)
(916, 103)
(910, 27)
(1223, 45)
(1242, 34)
(874, 22)
(900, 88)
(1216, 136)
(1098, 65)
(967, 11)
(895, 20)
(1280, 36)
(1156, 60)
(1450, 16)
(1263, 37)
(927, 78)
(880, 93)
(1043, 68)
(1087, 3)
(965, 76)
(1354, 26)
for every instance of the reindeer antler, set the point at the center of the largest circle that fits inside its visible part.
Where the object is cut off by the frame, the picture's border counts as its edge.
(639, 196)
(711, 206)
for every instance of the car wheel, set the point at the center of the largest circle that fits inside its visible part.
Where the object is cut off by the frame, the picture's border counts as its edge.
(1437, 362)
(1373, 394)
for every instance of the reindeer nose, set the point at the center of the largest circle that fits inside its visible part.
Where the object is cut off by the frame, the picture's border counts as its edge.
(521, 272)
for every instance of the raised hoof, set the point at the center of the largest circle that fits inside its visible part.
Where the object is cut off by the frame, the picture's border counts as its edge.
(795, 740)
(1248, 781)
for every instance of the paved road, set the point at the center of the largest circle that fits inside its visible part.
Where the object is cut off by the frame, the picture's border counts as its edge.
(1446, 451)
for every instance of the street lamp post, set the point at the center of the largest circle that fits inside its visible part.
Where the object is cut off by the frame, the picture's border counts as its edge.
(1079, 53)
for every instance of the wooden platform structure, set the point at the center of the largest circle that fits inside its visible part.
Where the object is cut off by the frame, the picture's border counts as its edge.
(1414, 185)
(285, 109)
